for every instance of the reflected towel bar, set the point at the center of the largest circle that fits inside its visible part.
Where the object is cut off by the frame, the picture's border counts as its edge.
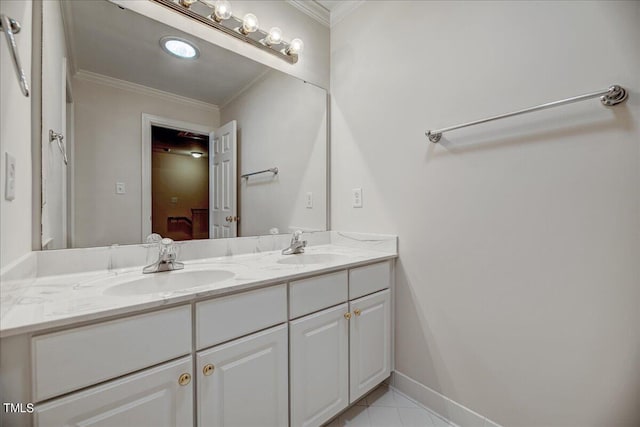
(271, 170)
(55, 136)
(11, 27)
(614, 95)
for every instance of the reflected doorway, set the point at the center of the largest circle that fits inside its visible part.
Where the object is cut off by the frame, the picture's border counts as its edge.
(179, 183)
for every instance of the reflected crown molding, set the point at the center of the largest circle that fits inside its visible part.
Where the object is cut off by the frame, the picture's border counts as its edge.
(312, 9)
(327, 13)
(144, 90)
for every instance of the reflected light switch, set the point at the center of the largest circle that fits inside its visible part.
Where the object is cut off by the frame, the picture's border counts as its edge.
(120, 188)
(356, 197)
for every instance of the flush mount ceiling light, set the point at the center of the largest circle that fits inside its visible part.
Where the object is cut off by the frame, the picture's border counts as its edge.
(179, 47)
(196, 154)
(217, 14)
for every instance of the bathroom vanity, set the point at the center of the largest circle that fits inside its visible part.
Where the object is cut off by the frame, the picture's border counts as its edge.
(285, 340)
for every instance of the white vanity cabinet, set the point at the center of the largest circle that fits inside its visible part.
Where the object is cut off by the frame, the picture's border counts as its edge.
(289, 354)
(243, 378)
(156, 397)
(106, 354)
(245, 382)
(369, 343)
(342, 352)
(319, 366)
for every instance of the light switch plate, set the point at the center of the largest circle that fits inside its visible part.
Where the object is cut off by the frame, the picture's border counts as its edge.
(10, 177)
(121, 188)
(309, 200)
(356, 197)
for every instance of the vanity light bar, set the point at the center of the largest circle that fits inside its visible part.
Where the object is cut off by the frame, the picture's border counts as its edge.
(204, 11)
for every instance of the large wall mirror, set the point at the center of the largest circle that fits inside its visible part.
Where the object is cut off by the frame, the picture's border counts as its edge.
(138, 140)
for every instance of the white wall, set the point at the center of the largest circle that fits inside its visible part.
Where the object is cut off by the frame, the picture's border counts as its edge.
(313, 63)
(54, 171)
(108, 149)
(15, 137)
(518, 285)
(281, 123)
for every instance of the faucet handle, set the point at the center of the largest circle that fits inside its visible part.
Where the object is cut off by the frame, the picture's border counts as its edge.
(166, 241)
(296, 236)
(154, 238)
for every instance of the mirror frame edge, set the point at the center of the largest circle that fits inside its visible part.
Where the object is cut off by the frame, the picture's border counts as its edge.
(36, 126)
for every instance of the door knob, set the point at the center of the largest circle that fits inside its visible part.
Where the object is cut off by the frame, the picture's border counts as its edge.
(357, 312)
(229, 219)
(347, 315)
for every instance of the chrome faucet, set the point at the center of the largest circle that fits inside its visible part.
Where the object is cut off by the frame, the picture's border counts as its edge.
(297, 246)
(166, 257)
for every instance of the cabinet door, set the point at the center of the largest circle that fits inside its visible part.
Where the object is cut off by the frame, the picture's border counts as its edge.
(370, 345)
(153, 398)
(319, 366)
(244, 383)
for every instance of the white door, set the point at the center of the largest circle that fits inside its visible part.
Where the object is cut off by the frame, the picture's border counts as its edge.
(370, 342)
(319, 366)
(223, 182)
(244, 383)
(152, 398)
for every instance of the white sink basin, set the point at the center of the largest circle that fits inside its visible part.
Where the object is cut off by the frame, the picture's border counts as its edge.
(306, 259)
(168, 281)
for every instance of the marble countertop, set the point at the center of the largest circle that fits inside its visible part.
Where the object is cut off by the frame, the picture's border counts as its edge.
(40, 303)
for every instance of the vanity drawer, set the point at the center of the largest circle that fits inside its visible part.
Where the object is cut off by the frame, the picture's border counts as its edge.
(69, 360)
(309, 295)
(223, 319)
(369, 279)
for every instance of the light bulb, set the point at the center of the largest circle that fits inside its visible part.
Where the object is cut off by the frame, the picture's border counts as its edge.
(222, 10)
(274, 36)
(249, 23)
(295, 47)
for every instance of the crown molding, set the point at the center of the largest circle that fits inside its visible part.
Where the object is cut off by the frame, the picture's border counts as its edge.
(312, 9)
(144, 90)
(344, 8)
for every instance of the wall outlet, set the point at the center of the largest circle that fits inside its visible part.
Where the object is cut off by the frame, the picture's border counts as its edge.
(10, 177)
(356, 197)
(174, 200)
(120, 188)
(309, 200)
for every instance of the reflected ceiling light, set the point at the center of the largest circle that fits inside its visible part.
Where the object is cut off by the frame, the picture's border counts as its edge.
(179, 47)
(196, 154)
(295, 47)
(221, 10)
(217, 14)
(274, 36)
(249, 23)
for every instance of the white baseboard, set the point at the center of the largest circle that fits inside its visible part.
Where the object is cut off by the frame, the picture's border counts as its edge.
(438, 403)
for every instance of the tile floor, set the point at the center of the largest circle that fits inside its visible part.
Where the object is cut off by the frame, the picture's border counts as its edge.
(386, 407)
